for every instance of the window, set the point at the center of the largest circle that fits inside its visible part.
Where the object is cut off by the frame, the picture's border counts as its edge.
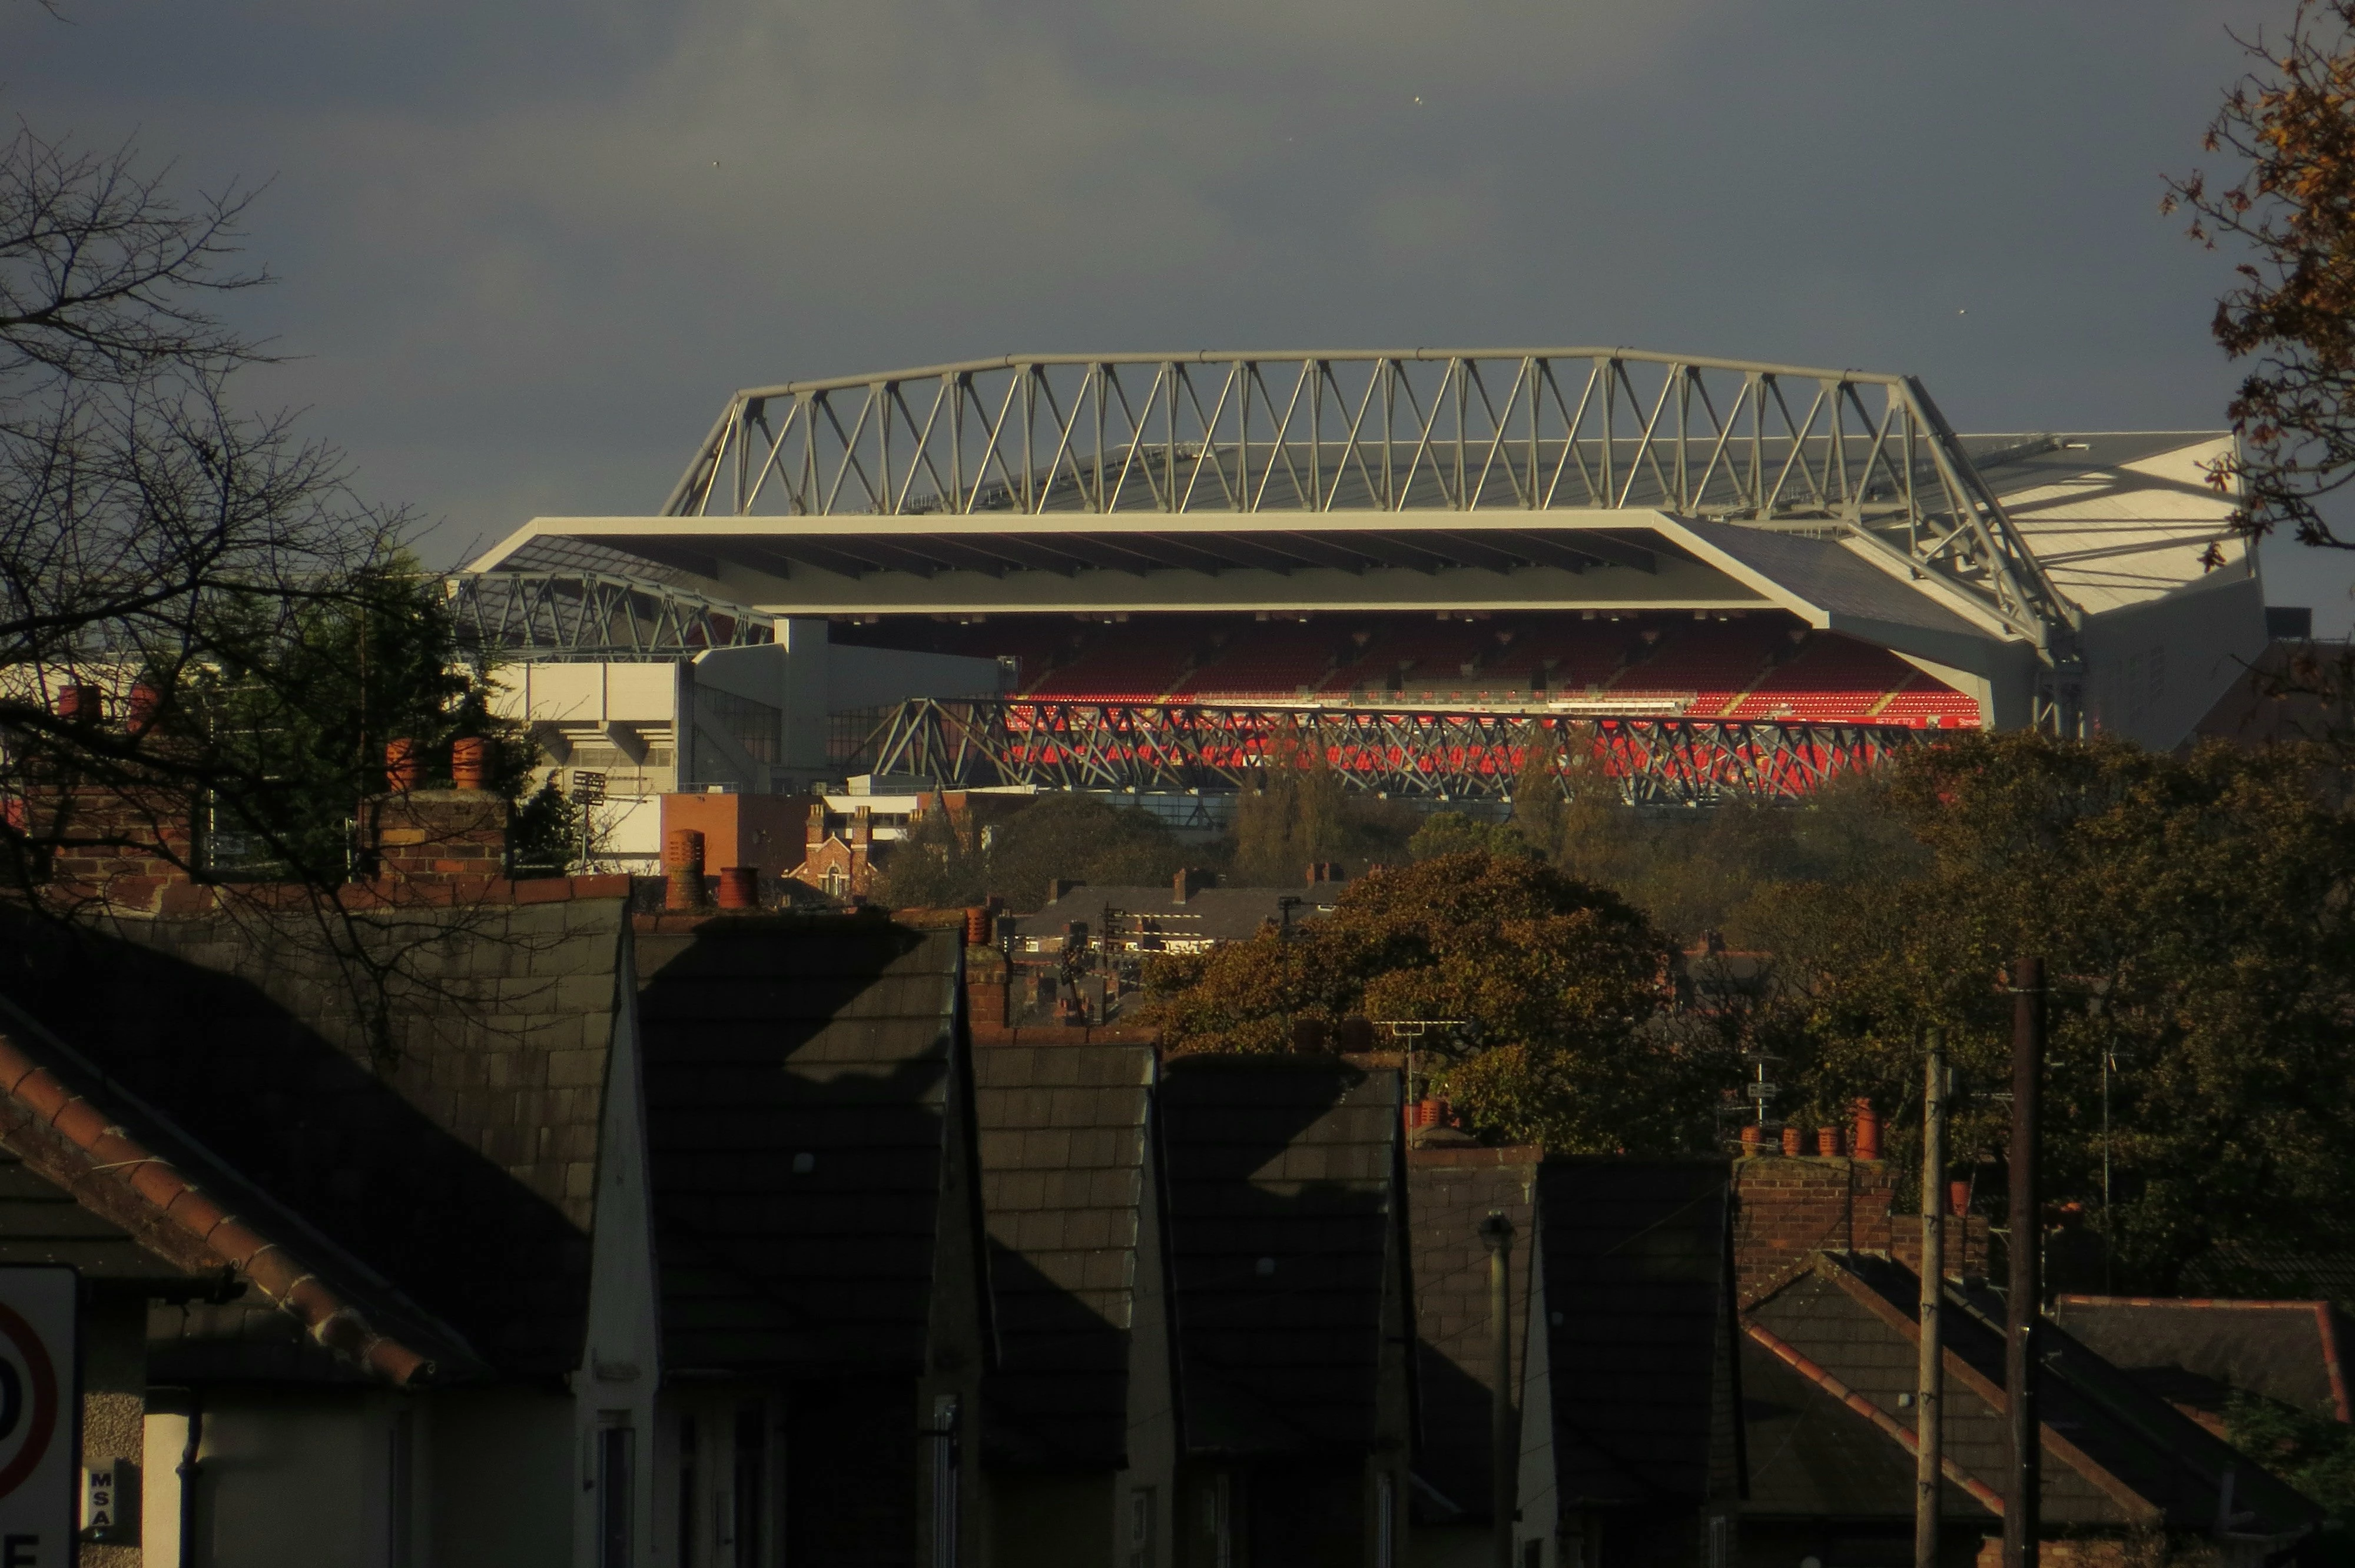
(1217, 1520)
(752, 1478)
(944, 1440)
(616, 1462)
(1385, 1520)
(1140, 1527)
(688, 1469)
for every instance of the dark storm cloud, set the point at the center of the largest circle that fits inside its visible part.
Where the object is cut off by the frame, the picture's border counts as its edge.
(529, 246)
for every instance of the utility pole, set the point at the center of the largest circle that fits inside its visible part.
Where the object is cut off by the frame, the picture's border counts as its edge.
(2025, 1243)
(1929, 1398)
(1504, 1436)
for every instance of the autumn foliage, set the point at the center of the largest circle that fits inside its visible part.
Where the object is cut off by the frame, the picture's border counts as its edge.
(2289, 126)
(1557, 981)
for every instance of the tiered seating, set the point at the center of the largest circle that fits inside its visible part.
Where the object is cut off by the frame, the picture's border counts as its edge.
(1435, 650)
(1838, 680)
(1584, 654)
(1711, 660)
(1120, 668)
(1833, 679)
(1928, 705)
(1274, 658)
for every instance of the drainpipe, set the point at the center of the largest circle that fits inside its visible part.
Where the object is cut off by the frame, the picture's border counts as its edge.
(189, 1471)
(1504, 1456)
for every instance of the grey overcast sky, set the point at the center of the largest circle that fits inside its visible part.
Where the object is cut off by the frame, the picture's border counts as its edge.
(529, 247)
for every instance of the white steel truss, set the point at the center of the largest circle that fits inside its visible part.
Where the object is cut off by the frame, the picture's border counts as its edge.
(1838, 452)
(560, 616)
(1176, 749)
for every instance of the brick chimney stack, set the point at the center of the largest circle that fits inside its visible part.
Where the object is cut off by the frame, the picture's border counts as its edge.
(434, 845)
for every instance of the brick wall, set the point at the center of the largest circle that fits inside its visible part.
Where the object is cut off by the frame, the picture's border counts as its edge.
(1787, 1210)
(436, 836)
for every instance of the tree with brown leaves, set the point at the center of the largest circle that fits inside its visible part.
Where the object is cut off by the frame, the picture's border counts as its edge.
(2289, 126)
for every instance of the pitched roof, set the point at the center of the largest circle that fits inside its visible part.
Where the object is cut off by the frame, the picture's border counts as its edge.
(1638, 1282)
(1063, 1136)
(1449, 1193)
(1812, 1457)
(1281, 1203)
(2114, 1453)
(443, 1130)
(2195, 1351)
(800, 1073)
(112, 1188)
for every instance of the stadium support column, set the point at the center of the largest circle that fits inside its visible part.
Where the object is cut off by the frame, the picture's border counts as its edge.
(808, 677)
(2021, 1499)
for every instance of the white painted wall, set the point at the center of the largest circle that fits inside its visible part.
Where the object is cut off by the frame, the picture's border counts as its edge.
(622, 1369)
(287, 1478)
(501, 1480)
(2154, 669)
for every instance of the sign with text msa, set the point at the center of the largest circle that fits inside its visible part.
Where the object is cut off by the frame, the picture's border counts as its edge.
(39, 1414)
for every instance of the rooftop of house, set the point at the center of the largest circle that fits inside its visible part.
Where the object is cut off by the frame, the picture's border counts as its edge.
(1064, 1151)
(1208, 913)
(1450, 1193)
(93, 1178)
(2114, 1452)
(2195, 1352)
(1281, 1217)
(1639, 1297)
(424, 1085)
(800, 1075)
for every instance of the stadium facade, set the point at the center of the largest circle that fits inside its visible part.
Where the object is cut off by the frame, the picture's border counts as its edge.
(1155, 573)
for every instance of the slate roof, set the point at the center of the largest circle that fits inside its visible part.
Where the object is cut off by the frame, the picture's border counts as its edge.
(1449, 1193)
(2114, 1452)
(1639, 1298)
(800, 1075)
(1063, 1150)
(451, 1152)
(2195, 1352)
(1281, 1199)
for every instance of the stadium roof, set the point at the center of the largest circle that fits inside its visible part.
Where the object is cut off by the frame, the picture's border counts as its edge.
(1578, 479)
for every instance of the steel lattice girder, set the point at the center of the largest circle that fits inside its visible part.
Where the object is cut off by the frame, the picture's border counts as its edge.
(1839, 451)
(592, 616)
(1158, 748)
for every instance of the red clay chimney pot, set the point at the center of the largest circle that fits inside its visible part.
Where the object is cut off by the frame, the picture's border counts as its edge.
(470, 763)
(1868, 1130)
(683, 851)
(400, 767)
(739, 887)
(80, 704)
(1791, 1142)
(146, 705)
(1828, 1142)
(1958, 1197)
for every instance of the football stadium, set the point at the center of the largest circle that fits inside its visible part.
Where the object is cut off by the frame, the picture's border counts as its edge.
(1155, 574)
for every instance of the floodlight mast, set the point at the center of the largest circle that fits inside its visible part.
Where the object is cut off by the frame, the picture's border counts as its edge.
(1833, 453)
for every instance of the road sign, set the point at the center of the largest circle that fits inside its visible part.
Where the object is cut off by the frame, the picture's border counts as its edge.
(39, 1414)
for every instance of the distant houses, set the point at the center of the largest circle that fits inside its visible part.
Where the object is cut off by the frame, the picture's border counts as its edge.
(490, 1222)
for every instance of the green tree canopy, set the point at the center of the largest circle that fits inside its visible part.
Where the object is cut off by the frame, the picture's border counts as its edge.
(2195, 920)
(1560, 982)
